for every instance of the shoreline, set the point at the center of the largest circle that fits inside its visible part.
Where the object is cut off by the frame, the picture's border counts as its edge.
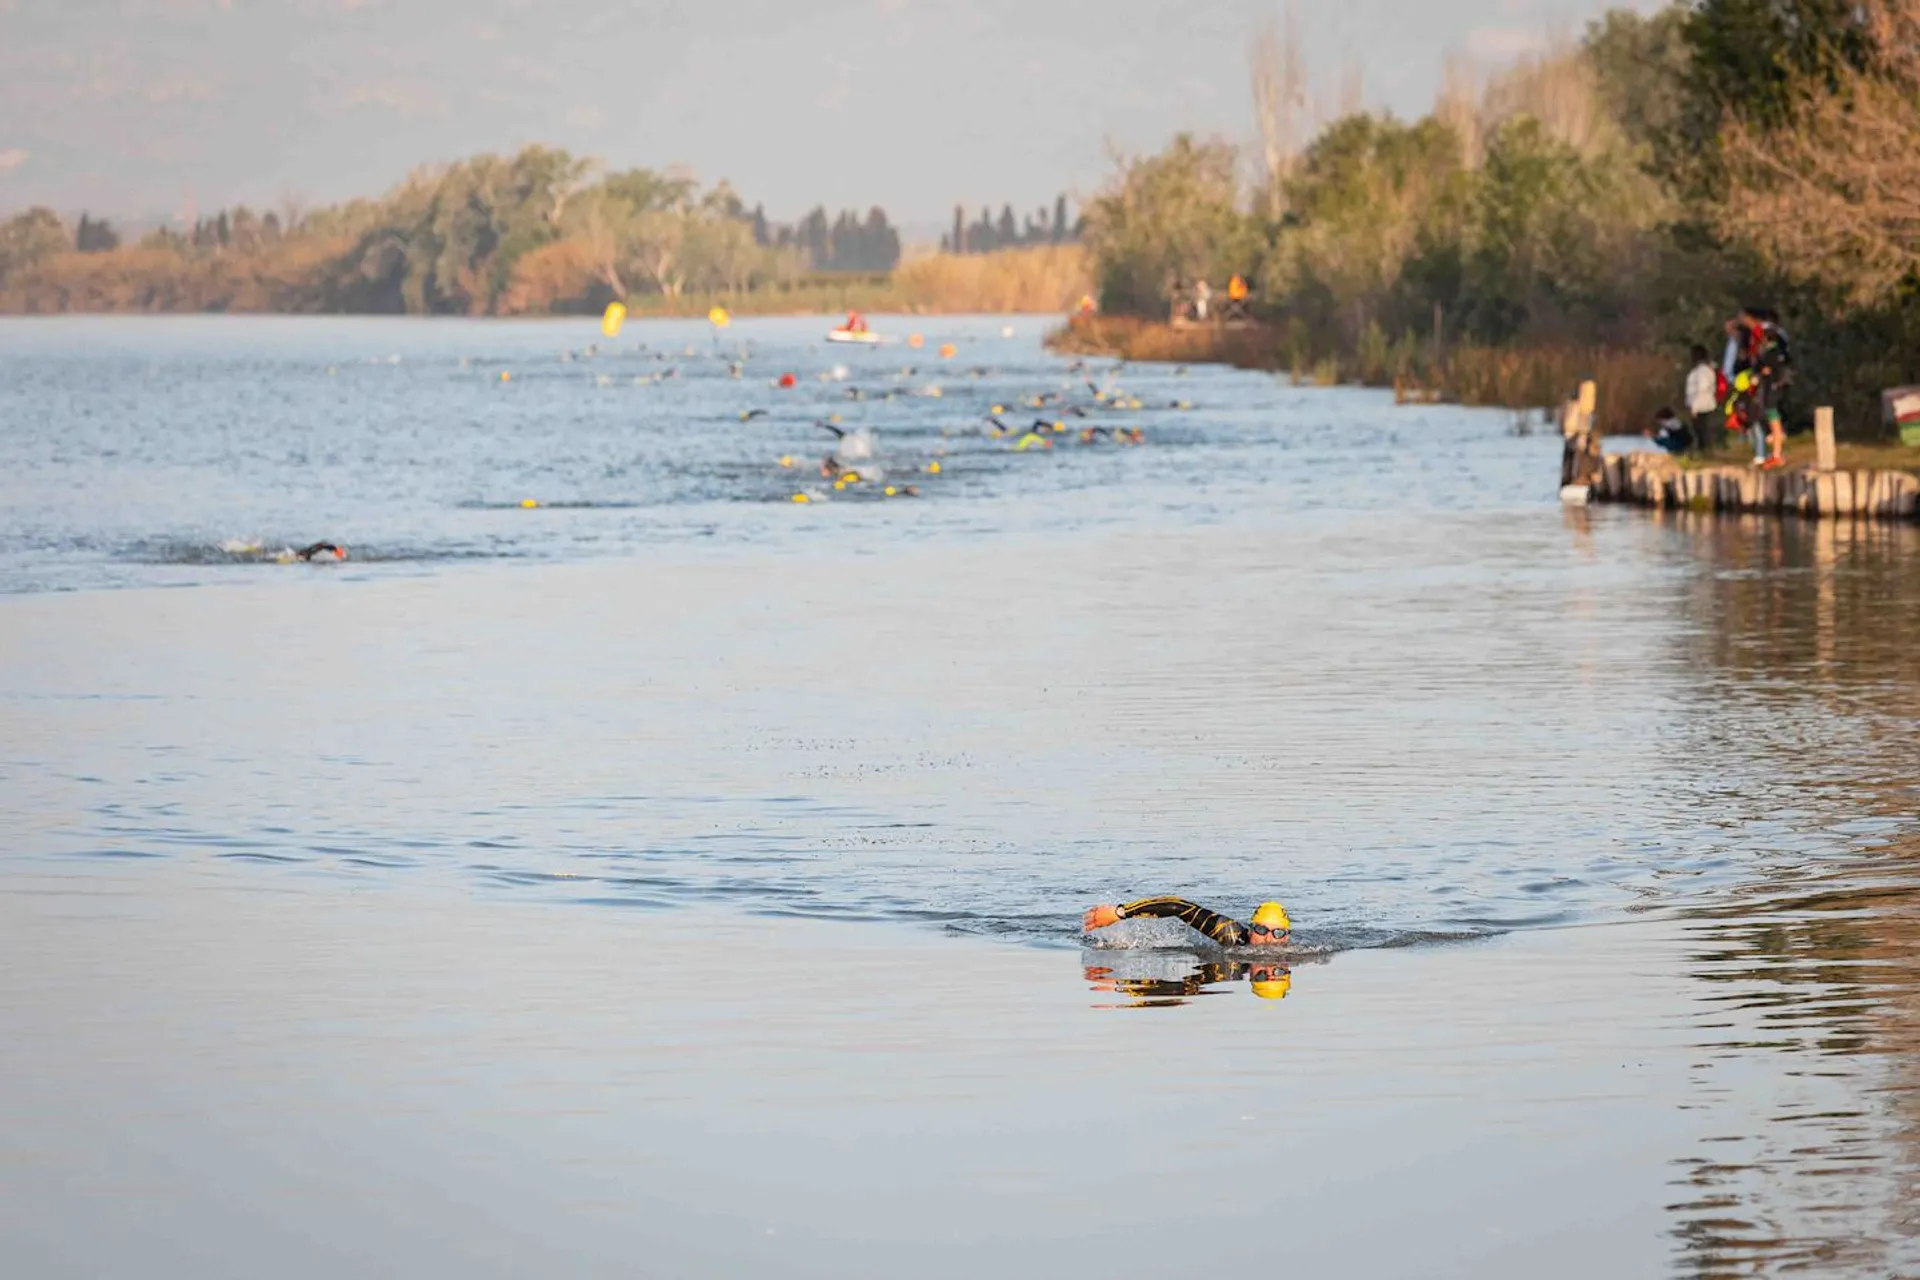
(695, 310)
(1633, 383)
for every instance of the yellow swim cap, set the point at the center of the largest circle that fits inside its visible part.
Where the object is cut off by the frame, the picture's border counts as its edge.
(1273, 988)
(1273, 916)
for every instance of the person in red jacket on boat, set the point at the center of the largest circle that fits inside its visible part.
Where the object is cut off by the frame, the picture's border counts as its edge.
(856, 323)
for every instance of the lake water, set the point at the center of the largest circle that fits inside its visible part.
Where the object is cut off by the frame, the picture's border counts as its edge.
(674, 878)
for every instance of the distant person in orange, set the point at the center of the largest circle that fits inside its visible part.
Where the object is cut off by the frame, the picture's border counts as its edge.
(1087, 306)
(1237, 288)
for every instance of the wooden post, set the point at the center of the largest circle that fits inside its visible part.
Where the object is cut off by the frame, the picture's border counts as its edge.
(1823, 452)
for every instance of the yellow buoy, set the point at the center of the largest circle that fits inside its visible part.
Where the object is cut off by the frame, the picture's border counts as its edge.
(529, 502)
(933, 468)
(890, 491)
(611, 319)
(801, 497)
(719, 318)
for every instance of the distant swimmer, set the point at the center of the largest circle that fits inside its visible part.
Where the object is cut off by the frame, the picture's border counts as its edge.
(314, 553)
(1268, 928)
(748, 415)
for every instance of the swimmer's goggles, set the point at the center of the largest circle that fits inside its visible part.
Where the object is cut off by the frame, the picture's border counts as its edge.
(1262, 931)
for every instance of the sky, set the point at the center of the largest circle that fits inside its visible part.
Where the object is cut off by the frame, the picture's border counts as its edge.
(151, 108)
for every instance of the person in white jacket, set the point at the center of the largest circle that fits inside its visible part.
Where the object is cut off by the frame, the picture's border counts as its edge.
(1703, 400)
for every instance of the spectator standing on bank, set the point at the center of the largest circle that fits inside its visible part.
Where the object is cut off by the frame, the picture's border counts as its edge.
(1703, 399)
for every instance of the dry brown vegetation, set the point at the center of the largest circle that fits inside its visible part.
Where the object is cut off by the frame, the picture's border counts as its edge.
(148, 278)
(1043, 278)
(1134, 338)
(1832, 193)
(1591, 210)
(1634, 384)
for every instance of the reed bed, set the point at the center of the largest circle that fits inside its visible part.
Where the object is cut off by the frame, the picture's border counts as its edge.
(1045, 279)
(1633, 384)
(1038, 279)
(1131, 338)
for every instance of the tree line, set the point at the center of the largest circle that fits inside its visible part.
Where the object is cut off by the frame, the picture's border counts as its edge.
(1630, 189)
(986, 233)
(540, 230)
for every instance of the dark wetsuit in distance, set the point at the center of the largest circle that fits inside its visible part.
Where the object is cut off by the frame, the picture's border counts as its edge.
(1221, 929)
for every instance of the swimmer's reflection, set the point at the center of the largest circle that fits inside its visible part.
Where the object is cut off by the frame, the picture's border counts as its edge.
(1151, 979)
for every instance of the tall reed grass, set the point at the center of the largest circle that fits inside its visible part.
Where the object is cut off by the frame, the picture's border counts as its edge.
(1633, 384)
(1131, 338)
(1043, 279)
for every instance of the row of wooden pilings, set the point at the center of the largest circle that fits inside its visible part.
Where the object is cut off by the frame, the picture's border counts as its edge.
(1654, 478)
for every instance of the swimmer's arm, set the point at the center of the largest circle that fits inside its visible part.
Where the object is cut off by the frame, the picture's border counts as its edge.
(1224, 930)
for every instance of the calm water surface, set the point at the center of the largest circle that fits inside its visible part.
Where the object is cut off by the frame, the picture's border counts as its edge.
(1604, 824)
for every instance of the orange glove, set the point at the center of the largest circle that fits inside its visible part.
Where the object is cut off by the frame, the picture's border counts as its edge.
(1099, 917)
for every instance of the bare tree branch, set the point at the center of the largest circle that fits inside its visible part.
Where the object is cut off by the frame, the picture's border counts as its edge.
(1833, 194)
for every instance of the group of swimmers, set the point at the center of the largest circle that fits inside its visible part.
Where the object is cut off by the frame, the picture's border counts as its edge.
(848, 463)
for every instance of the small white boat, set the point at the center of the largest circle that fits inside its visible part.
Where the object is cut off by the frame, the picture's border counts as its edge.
(864, 337)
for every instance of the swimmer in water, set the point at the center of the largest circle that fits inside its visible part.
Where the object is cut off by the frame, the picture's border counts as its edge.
(1268, 928)
(321, 553)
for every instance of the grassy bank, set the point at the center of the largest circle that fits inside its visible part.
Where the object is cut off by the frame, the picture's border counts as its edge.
(1800, 453)
(1633, 385)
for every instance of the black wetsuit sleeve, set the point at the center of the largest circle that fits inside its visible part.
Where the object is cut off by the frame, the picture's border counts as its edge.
(1223, 930)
